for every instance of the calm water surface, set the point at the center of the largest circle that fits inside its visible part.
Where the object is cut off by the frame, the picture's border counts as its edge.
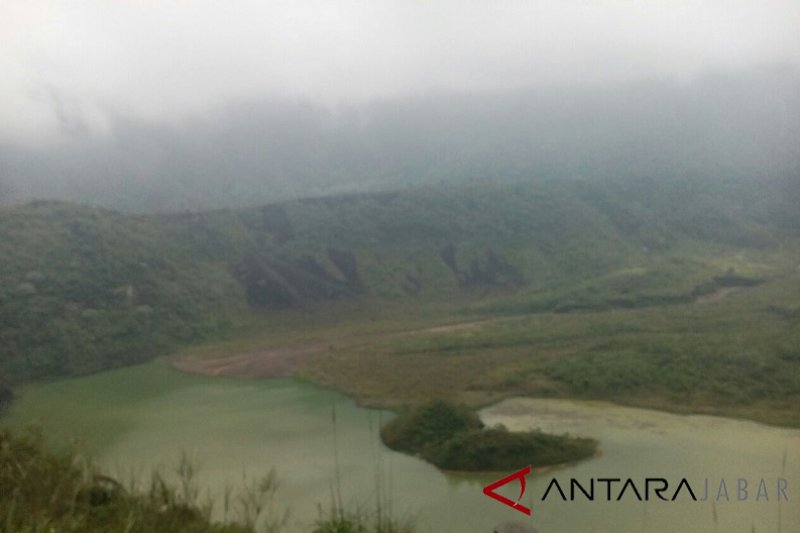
(134, 418)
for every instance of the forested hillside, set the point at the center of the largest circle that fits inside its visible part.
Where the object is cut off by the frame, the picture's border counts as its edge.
(85, 289)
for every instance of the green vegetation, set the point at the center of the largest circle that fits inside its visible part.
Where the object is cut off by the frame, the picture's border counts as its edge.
(733, 355)
(430, 425)
(678, 294)
(85, 289)
(42, 490)
(341, 520)
(452, 437)
(45, 490)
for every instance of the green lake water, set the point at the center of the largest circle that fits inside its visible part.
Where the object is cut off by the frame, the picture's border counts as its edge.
(131, 419)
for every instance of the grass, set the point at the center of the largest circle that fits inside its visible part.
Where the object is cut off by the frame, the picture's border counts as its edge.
(647, 296)
(42, 490)
(86, 289)
(733, 356)
(59, 490)
(338, 519)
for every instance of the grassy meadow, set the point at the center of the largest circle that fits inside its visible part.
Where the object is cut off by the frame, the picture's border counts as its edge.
(731, 351)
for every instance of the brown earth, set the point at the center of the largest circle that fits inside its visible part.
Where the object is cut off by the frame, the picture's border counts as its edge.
(715, 296)
(286, 361)
(276, 363)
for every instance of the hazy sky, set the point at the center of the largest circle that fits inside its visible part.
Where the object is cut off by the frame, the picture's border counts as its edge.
(67, 66)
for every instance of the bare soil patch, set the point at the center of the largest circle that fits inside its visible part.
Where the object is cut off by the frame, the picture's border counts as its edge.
(715, 296)
(276, 363)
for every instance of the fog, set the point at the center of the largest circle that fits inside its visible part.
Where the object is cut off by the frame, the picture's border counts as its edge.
(66, 66)
(108, 100)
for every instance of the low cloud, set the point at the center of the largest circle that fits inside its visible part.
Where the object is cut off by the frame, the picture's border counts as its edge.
(68, 68)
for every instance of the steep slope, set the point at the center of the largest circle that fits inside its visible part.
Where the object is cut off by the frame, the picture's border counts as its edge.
(85, 289)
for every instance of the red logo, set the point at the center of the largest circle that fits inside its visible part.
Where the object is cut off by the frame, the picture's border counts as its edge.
(489, 490)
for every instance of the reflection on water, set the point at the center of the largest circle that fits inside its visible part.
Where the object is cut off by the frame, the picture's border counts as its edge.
(133, 418)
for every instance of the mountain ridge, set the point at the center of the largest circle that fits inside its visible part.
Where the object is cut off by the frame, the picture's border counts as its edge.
(87, 288)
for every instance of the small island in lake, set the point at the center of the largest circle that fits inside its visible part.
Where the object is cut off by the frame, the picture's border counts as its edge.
(452, 437)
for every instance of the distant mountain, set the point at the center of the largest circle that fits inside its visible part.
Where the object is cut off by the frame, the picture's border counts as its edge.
(83, 289)
(724, 125)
